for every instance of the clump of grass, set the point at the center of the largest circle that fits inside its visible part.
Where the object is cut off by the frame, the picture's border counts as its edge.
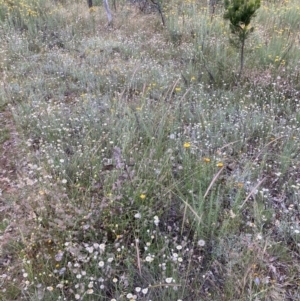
(4, 135)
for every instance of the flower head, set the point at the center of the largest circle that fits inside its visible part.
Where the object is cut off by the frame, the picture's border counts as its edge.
(138, 215)
(201, 243)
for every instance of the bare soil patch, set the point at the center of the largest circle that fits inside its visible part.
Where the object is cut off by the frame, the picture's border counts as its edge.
(10, 216)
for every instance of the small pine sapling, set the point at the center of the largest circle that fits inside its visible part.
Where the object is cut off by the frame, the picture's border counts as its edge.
(240, 14)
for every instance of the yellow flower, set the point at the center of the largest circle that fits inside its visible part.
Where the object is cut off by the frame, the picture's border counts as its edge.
(177, 89)
(242, 25)
(186, 145)
(193, 78)
(232, 214)
(220, 164)
(206, 159)
(142, 196)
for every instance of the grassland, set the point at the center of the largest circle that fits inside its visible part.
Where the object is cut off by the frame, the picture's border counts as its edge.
(137, 165)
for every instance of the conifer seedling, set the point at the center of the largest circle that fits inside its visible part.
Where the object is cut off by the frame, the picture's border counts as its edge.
(240, 14)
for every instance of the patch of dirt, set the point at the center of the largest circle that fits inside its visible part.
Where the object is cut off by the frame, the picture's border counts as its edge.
(10, 216)
(8, 154)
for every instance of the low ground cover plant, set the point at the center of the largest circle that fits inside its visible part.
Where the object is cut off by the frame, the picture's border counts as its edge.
(142, 169)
